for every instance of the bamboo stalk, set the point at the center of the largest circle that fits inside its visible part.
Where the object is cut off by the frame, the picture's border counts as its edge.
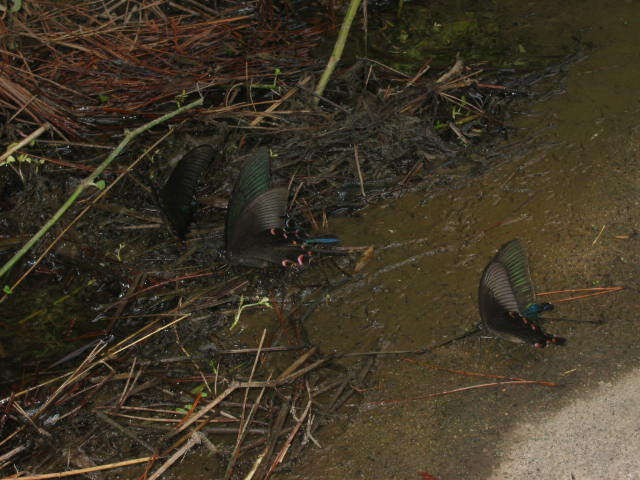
(337, 48)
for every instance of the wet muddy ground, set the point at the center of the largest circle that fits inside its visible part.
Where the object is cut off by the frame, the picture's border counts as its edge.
(557, 201)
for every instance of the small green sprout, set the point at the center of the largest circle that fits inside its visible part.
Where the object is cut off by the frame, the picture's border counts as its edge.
(273, 86)
(119, 250)
(263, 301)
(22, 158)
(181, 98)
(7, 289)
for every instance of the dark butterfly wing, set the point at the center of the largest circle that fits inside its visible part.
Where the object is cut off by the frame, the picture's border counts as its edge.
(499, 310)
(254, 180)
(177, 194)
(265, 212)
(268, 248)
(249, 239)
(495, 288)
(514, 257)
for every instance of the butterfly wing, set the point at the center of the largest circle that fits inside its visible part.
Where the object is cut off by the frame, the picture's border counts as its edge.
(514, 257)
(177, 195)
(254, 180)
(500, 312)
(249, 239)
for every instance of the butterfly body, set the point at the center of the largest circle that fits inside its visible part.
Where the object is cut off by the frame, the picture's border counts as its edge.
(256, 231)
(505, 298)
(535, 309)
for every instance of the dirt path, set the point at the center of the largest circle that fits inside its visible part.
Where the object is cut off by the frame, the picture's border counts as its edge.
(557, 201)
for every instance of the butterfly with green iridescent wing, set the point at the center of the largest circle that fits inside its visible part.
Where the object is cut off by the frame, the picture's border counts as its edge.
(256, 230)
(507, 299)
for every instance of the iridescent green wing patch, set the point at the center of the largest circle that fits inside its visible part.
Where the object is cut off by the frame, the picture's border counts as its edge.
(514, 257)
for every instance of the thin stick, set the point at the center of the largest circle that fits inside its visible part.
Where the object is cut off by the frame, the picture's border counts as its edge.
(299, 361)
(208, 408)
(89, 181)
(572, 290)
(83, 370)
(11, 453)
(124, 431)
(81, 471)
(112, 354)
(357, 159)
(43, 128)
(597, 290)
(568, 299)
(456, 390)
(194, 439)
(383, 352)
(287, 443)
(324, 99)
(599, 234)
(337, 48)
(275, 105)
(244, 422)
(475, 374)
(243, 429)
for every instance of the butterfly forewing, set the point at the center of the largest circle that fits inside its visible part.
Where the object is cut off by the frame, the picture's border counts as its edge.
(254, 180)
(495, 292)
(177, 195)
(514, 257)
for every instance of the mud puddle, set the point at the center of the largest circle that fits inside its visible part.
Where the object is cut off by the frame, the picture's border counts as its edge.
(575, 206)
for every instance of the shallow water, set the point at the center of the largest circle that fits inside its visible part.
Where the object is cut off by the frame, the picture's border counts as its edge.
(583, 176)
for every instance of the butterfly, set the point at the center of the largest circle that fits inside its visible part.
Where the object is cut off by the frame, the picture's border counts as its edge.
(257, 232)
(506, 299)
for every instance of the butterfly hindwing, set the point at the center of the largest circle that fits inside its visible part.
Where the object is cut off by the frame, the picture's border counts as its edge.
(265, 212)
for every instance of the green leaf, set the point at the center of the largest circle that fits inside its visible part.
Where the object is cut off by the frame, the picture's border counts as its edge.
(7, 289)
(100, 184)
(8, 160)
(17, 5)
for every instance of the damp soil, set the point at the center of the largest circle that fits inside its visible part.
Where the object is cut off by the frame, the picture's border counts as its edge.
(575, 205)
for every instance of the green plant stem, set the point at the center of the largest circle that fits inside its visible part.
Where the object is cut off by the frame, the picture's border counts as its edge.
(87, 182)
(337, 48)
